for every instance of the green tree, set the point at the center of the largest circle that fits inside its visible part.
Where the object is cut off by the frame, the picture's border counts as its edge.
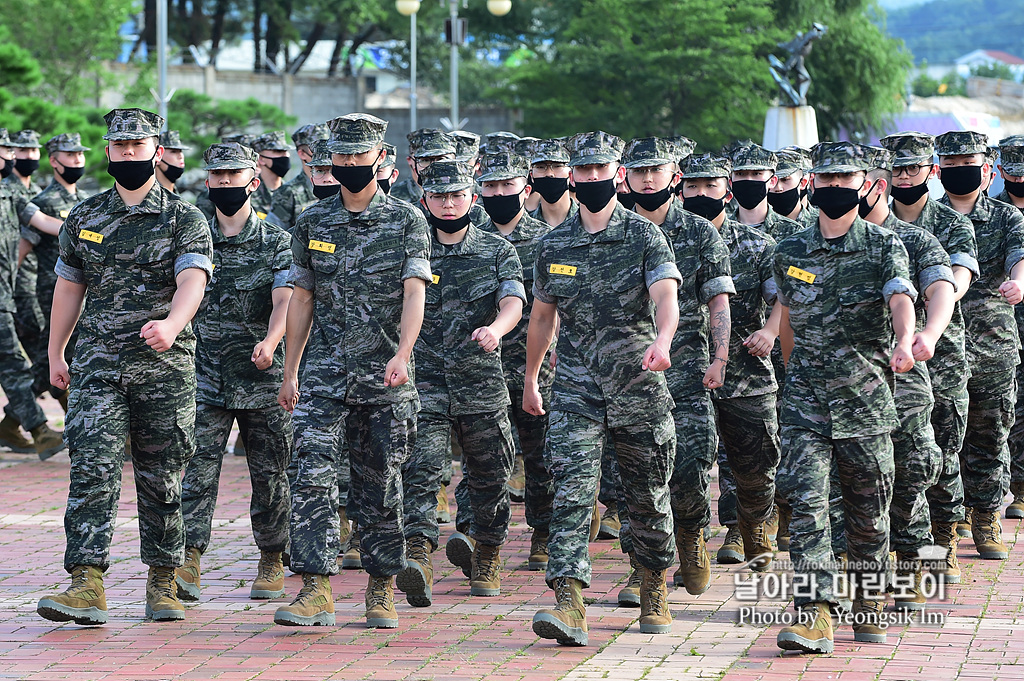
(994, 70)
(203, 120)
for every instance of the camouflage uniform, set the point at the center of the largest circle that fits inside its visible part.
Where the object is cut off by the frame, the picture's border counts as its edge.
(551, 151)
(233, 318)
(263, 198)
(837, 400)
(128, 258)
(992, 341)
(354, 265)
(203, 202)
(599, 285)
(296, 195)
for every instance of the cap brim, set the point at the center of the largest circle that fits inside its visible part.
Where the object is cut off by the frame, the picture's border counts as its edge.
(16, 145)
(73, 149)
(550, 158)
(178, 148)
(592, 159)
(705, 173)
(786, 172)
(647, 162)
(446, 188)
(1015, 169)
(840, 168)
(350, 147)
(500, 175)
(753, 166)
(229, 165)
(901, 161)
(959, 152)
(432, 153)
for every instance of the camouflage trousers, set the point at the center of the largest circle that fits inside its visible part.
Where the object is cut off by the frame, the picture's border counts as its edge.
(918, 465)
(487, 458)
(866, 471)
(380, 438)
(16, 377)
(608, 491)
(1016, 438)
(267, 437)
(985, 459)
(160, 418)
(645, 456)
(695, 448)
(749, 431)
(949, 421)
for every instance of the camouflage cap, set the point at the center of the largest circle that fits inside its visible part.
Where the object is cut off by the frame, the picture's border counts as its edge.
(441, 177)
(321, 154)
(66, 141)
(308, 134)
(707, 165)
(1011, 155)
(499, 135)
(680, 147)
(961, 142)
(644, 152)
(435, 143)
(132, 124)
(731, 148)
(550, 151)
(275, 140)
(879, 158)
(503, 165)
(522, 146)
(792, 159)
(229, 156)
(910, 148)
(594, 147)
(172, 140)
(356, 133)
(5, 138)
(390, 155)
(992, 155)
(467, 145)
(416, 139)
(839, 157)
(754, 157)
(244, 138)
(25, 139)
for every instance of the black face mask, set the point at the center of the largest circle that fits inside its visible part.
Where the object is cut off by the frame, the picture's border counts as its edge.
(835, 202)
(26, 166)
(704, 206)
(961, 180)
(71, 175)
(7, 170)
(131, 174)
(354, 178)
(627, 199)
(650, 202)
(172, 173)
(909, 195)
(280, 165)
(323, 191)
(864, 208)
(503, 209)
(229, 200)
(785, 202)
(551, 188)
(448, 226)
(385, 184)
(1014, 188)
(595, 195)
(749, 193)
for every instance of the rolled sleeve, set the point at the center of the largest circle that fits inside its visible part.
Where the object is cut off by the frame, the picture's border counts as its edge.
(281, 279)
(967, 261)
(416, 268)
(511, 288)
(301, 277)
(193, 260)
(769, 291)
(899, 285)
(27, 213)
(716, 286)
(72, 274)
(542, 295)
(934, 273)
(31, 235)
(666, 270)
(1012, 258)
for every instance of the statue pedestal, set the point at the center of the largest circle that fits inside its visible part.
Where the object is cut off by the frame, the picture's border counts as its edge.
(788, 125)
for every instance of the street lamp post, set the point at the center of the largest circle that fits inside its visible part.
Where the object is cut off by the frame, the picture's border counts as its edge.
(410, 8)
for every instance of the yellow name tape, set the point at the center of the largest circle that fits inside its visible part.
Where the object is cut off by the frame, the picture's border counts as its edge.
(562, 269)
(802, 275)
(323, 246)
(261, 215)
(94, 237)
(65, 213)
(437, 278)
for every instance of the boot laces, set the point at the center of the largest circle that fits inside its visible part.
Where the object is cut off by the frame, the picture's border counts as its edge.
(487, 562)
(79, 579)
(163, 581)
(563, 594)
(310, 585)
(417, 550)
(267, 569)
(379, 593)
(653, 590)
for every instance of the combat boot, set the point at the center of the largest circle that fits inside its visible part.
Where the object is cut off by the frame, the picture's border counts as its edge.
(444, 510)
(963, 528)
(731, 551)
(694, 571)
(459, 551)
(346, 527)
(757, 547)
(812, 633)
(162, 595)
(629, 595)
(517, 481)
(782, 537)
(655, 616)
(567, 621)
(486, 564)
(186, 578)
(1016, 508)
(269, 582)
(313, 606)
(46, 442)
(595, 522)
(610, 526)
(947, 569)
(380, 603)
(868, 624)
(352, 559)
(987, 532)
(11, 437)
(416, 579)
(908, 594)
(84, 602)
(771, 526)
(539, 550)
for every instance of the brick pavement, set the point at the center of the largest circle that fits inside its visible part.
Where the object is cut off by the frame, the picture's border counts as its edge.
(226, 636)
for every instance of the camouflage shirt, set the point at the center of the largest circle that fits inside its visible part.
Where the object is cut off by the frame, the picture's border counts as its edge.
(8, 248)
(128, 258)
(294, 196)
(355, 265)
(838, 381)
(525, 238)
(991, 329)
(204, 204)
(235, 316)
(57, 202)
(1018, 310)
(574, 207)
(22, 195)
(407, 190)
(599, 284)
(928, 264)
(778, 227)
(808, 217)
(750, 258)
(454, 376)
(702, 258)
(261, 200)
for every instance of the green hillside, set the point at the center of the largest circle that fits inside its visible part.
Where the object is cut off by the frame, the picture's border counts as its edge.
(942, 30)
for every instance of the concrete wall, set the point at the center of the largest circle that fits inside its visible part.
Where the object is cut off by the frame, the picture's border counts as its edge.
(993, 87)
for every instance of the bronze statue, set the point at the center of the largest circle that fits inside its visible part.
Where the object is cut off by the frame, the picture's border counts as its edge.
(791, 75)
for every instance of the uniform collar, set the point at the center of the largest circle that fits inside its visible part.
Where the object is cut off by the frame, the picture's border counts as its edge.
(339, 215)
(982, 210)
(472, 244)
(245, 235)
(615, 231)
(153, 203)
(528, 228)
(855, 240)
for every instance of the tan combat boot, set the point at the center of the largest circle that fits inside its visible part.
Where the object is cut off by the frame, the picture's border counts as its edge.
(963, 528)
(610, 526)
(444, 509)
(694, 564)
(459, 550)
(539, 550)
(345, 527)
(629, 595)
(351, 559)
(46, 442)
(812, 633)
(908, 593)
(567, 621)
(731, 551)
(655, 616)
(987, 532)
(312, 606)
(1015, 510)
(595, 522)
(269, 582)
(517, 481)
(758, 549)
(416, 579)
(186, 578)
(162, 595)
(868, 625)
(782, 537)
(944, 535)
(84, 602)
(11, 437)
(380, 603)
(486, 579)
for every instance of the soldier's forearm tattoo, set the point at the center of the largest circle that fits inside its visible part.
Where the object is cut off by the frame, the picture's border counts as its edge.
(721, 322)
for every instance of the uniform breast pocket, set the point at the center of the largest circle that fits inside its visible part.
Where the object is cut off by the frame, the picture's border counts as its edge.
(324, 263)
(254, 291)
(383, 281)
(630, 290)
(155, 258)
(94, 258)
(862, 313)
(563, 286)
